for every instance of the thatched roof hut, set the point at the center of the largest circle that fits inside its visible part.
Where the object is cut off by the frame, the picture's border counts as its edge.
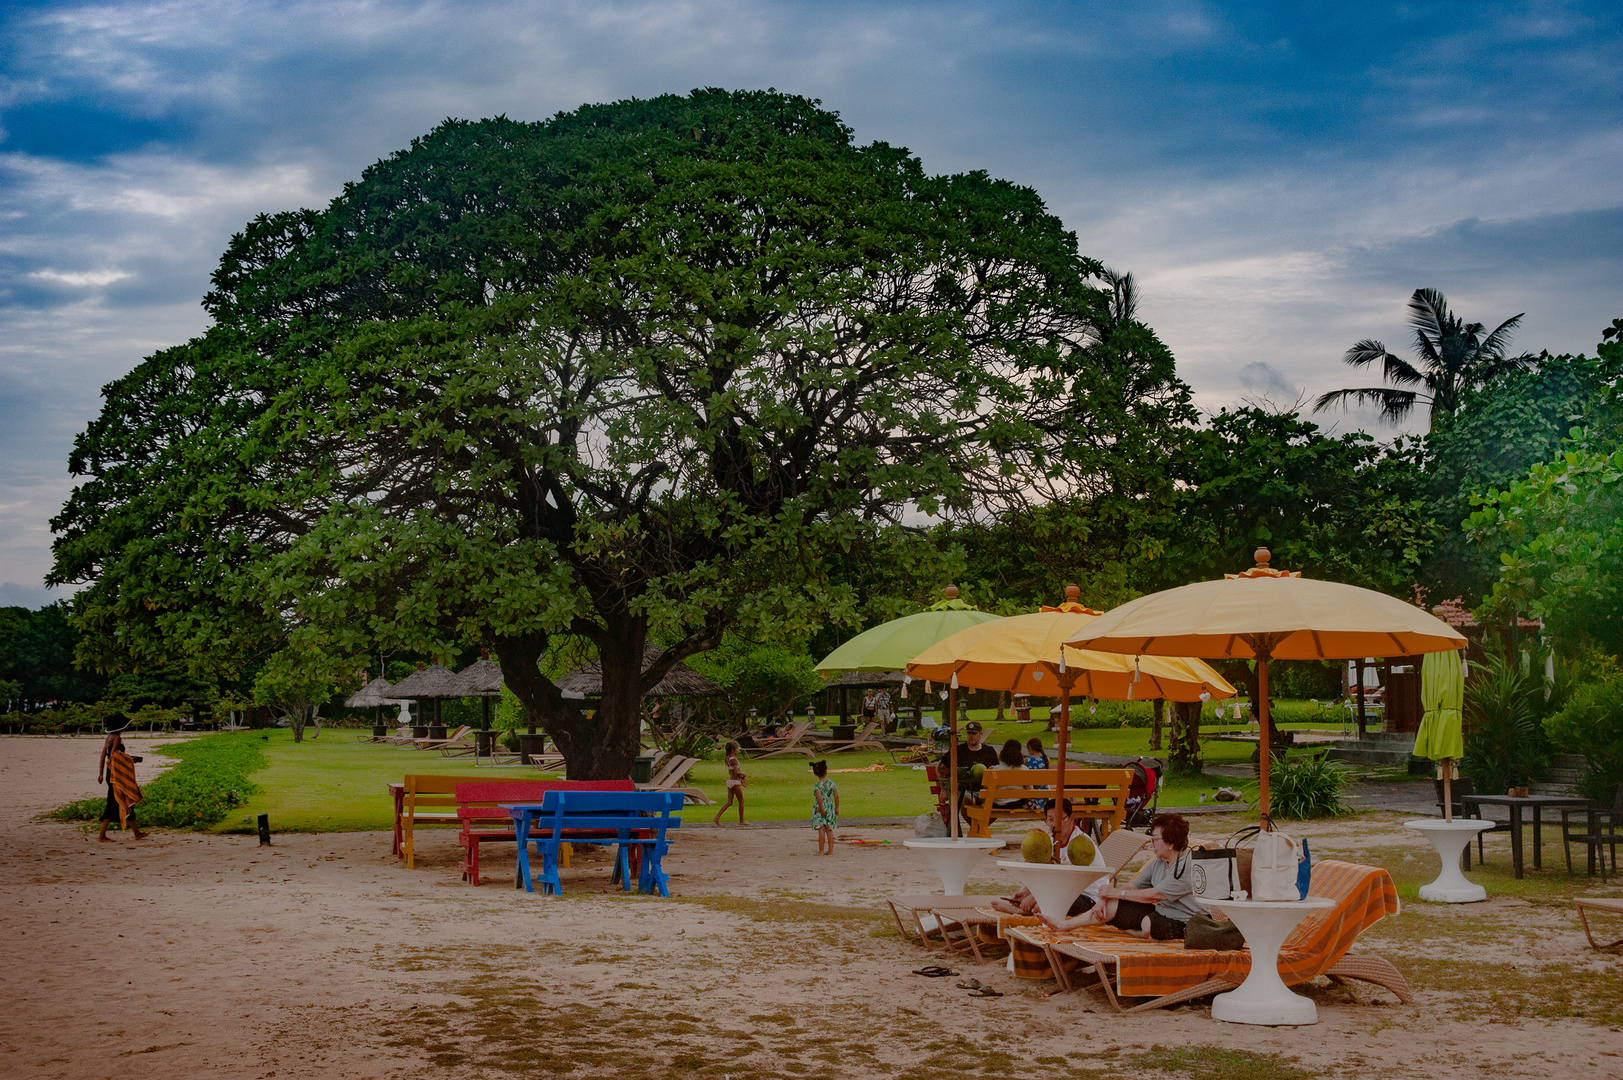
(481, 679)
(434, 681)
(680, 681)
(374, 694)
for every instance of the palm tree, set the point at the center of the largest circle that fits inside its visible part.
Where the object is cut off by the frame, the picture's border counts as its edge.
(1453, 357)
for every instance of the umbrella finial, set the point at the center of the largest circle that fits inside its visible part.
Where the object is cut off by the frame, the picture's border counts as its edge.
(950, 592)
(1073, 594)
(1262, 555)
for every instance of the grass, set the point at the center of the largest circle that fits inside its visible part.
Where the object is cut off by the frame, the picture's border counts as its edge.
(336, 784)
(212, 778)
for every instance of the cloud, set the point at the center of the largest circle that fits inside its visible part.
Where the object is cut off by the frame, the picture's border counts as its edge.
(1261, 379)
(1278, 179)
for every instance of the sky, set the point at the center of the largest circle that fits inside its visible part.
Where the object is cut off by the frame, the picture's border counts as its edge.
(1279, 177)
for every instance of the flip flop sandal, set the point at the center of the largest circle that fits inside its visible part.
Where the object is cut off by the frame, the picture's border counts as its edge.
(985, 992)
(968, 984)
(934, 971)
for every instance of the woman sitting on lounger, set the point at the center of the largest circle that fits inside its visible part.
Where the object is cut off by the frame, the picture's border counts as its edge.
(1161, 898)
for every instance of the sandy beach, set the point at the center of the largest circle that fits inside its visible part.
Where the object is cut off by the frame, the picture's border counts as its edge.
(321, 955)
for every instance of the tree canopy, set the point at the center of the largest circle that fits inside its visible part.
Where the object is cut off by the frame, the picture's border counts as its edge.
(628, 374)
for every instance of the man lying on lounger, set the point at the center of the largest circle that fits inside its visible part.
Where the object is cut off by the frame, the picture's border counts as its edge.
(1161, 899)
(1062, 828)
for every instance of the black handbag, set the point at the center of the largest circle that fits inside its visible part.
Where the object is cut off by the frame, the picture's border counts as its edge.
(1205, 932)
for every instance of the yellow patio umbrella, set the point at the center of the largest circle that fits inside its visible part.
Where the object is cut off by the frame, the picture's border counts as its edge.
(1441, 735)
(1266, 614)
(1025, 654)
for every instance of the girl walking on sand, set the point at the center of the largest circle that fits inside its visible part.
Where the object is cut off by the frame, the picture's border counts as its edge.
(735, 783)
(825, 808)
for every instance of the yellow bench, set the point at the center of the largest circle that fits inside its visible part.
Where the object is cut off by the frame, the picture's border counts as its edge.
(1099, 794)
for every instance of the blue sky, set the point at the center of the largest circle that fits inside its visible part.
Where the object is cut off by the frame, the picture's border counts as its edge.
(1278, 176)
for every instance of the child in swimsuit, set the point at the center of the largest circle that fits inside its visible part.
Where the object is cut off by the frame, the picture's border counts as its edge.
(735, 783)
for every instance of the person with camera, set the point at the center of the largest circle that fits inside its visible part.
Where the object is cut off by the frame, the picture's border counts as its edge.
(122, 790)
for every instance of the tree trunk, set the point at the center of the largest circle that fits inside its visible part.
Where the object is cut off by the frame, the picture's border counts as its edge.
(597, 747)
(1157, 716)
(1184, 750)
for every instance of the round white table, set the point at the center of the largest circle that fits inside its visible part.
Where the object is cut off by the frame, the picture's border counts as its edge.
(1450, 838)
(1264, 998)
(1055, 886)
(953, 859)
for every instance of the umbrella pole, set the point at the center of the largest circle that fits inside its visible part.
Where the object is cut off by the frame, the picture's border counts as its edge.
(952, 753)
(1064, 740)
(1264, 740)
(1448, 789)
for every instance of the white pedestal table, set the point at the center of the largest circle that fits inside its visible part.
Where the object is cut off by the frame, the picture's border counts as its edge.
(1055, 886)
(1264, 998)
(953, 860)
(1450, 838)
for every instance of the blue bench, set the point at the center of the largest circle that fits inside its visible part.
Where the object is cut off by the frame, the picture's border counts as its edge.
(631, 819)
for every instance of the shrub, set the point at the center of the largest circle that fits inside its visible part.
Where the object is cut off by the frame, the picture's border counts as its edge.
(210, 779)
(1504, 743)
(1592, 724)
(1307, 787)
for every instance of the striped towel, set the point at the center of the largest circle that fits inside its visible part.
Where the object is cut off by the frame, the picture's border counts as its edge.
(126, 792)
(1363, 894)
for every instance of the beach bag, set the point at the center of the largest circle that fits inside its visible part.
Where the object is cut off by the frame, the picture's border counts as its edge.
(1205, 932)
(1214, 873)
(1304, 872)
(929, 825)
(1275, 867)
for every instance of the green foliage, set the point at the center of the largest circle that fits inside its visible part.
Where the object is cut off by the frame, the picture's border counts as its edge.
(770, 678)
(1307, 787)
(1591, 723)
(211, 778)
(36, 655)
(1505, 745)
(1310, 680)
(626, 374)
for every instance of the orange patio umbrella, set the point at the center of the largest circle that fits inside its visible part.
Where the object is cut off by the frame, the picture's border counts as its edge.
(1265, 614)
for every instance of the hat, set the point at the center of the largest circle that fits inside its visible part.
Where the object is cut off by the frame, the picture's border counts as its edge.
(973, 725)
(114, 723)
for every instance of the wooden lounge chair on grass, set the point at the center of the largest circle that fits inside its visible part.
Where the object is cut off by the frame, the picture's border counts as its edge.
(864, 740)
(1601, 904)
(789, 744)
(462, 736)
(669, 776)
(1124, 966)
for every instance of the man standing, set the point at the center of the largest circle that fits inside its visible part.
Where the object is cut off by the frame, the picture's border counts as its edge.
(122, 790)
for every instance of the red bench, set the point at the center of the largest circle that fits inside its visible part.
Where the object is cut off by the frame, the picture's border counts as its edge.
(479, 806)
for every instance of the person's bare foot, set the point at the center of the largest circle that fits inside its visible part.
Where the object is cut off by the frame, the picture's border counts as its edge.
(104, 838)
(1004, 906)
(139, 835)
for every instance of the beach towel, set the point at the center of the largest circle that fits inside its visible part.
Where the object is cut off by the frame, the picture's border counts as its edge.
(1363, 894)
(126, 792)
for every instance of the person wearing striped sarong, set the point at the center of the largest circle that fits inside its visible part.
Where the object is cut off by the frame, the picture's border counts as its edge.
(122, 790)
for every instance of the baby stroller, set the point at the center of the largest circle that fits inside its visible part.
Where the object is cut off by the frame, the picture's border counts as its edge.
(1144, 795)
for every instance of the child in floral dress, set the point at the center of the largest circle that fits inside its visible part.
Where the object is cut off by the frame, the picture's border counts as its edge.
(825, 808)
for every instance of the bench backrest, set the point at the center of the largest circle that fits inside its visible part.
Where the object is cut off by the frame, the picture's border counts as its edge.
(436, 794)
(1079, 783)
(474, 796)
(611, 810)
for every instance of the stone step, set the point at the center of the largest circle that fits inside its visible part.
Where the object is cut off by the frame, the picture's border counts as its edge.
(1563, 776)
(1356, 754)
(1548, 788)
(1575, 762)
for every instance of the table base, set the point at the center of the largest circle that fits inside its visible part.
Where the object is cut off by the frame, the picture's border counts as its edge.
(1449, 838)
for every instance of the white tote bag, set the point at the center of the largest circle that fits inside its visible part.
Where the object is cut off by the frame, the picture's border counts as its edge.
(1274, 867)
(1214, 873)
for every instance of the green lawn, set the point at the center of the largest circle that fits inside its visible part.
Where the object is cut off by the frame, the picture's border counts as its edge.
(336, 783)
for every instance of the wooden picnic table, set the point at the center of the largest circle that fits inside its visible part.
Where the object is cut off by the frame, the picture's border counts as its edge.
(1516, 805)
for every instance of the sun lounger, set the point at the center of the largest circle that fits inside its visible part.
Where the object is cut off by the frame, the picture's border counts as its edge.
(1596, 903)
(790, 744)
(1123, 966)
(669, 776)
(462, 736)
(933, 917)
(864, 740)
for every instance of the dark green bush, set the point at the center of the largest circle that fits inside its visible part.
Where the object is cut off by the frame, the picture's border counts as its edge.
(210, 779)
(1307, 787)
(1505, 745)
(1592, 724)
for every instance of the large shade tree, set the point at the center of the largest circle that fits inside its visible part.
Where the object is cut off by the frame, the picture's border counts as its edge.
(623, 376)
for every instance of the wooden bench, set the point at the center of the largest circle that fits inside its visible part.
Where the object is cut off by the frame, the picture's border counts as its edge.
(631, 819)
(479, 806)
(1097, 794)
(422, 800)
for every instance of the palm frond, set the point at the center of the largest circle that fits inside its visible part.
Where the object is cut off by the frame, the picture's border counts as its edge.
(1366, 352)
(1494, 344)
(1395, 405)
(1430, 317)
(1397, 370)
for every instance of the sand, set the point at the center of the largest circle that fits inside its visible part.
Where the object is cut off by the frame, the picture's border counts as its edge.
(321, 955)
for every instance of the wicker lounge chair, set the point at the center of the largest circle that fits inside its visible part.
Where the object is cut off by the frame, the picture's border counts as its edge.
(1596, 903)
(1165, 972)
(790, 744)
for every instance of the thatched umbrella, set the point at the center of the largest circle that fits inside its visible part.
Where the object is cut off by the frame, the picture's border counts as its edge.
(433, 683)
(679, 681)
(483, 680)
(375, 695)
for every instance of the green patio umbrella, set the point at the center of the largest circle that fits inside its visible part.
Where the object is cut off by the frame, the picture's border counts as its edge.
(1441, 735)
(889, 646)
